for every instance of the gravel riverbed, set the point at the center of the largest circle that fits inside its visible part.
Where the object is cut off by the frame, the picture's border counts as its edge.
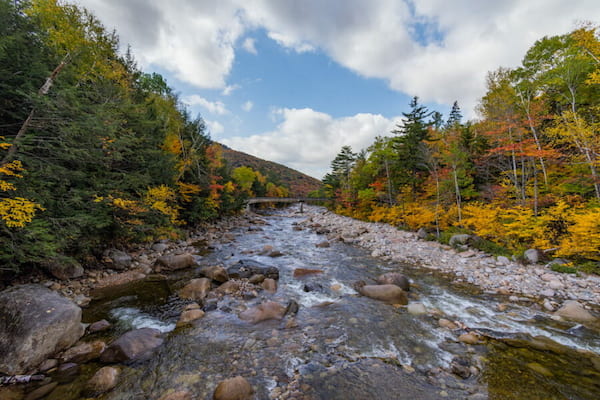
(494, 274)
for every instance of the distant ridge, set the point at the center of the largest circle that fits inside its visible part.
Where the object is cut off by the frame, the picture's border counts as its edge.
(298, 183)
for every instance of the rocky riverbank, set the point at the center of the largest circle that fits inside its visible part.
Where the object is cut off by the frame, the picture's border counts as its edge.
(493, 274)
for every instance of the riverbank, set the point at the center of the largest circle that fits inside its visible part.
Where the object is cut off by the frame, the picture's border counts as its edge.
(493, 274)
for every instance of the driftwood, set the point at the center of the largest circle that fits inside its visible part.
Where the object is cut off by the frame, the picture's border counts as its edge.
(16, 379)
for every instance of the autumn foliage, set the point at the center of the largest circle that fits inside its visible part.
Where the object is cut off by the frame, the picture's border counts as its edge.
(524, 175)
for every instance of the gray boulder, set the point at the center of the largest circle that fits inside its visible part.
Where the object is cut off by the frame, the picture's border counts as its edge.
(532, 256)
(35, 323)
(118, 259)
(64, 269)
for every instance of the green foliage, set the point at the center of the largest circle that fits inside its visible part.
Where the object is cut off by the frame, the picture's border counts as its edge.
(110, 153)
(565, 269)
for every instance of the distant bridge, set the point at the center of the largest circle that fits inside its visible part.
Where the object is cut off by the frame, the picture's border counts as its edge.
(290, 200)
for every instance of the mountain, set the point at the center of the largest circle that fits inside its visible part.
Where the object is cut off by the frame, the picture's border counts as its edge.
(298, 183)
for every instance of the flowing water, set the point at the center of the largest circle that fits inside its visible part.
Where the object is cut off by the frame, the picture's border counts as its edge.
(341, 345)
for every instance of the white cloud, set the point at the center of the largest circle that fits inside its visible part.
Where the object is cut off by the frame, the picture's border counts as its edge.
(249, 45)
(247, 106)
(387, 39)
(213, 107)
(230, 89)
(215, 127)
(308, 140)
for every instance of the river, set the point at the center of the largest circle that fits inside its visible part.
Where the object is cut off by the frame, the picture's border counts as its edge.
(341, 345)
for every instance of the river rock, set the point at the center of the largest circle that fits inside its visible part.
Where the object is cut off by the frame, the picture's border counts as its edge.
(118, 259)
(555, 284)
(179, 395)
(160, 247)
(323, 244)
(389, 293)
(300, 272)
(574, 311)
(256, 279)
(119, 279)
(264, 311)
(416, 309)
(133, 345)
(532, 256)
(83, 352)
(41, 392)
(35, 322)
(99, 326)
(215, 272)
(189, 316)
(445, 323)
(196, 289)
(394, 278)
(237, 388)
(269, 285)
(104, 379)
(64, 269)
(229, 287)
(469, 338)
(175, 262)
(244, 269)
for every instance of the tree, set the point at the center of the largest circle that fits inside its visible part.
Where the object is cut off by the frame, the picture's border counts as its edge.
(409, 134)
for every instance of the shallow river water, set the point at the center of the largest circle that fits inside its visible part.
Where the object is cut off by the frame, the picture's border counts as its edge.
(341, 345)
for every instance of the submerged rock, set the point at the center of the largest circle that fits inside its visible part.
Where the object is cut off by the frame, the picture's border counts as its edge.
(104, 379)
(84, 352)
(264, 311)
(133, 345)
(215, 272)
(237, 388)
(269, 285)
(244, 269)
(196, 289)
(300, 272)
(35, 322)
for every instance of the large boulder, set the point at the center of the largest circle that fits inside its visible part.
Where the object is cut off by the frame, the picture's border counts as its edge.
(35, 323)
(394, 278)
(215, 272)
(389, 293)
(264, 311)
(237, 388)
(133, 345)
(174, 262)
(197, 289)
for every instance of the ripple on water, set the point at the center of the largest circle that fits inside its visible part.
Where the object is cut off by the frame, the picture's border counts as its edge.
(133, 318)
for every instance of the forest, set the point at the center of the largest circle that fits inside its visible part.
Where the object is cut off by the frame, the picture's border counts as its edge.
(523, 175)
(95, 153)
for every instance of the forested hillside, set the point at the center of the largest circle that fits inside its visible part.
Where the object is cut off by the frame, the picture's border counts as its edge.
(525, 175)
(298, 184)
(95, 152)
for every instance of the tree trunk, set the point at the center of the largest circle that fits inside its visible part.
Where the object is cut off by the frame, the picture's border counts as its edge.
(12, 150)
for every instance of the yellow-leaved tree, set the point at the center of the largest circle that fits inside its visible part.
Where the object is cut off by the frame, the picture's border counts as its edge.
(15, 212)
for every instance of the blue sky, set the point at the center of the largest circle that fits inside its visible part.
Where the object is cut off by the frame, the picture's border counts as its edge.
(275, 77)
(293, 81)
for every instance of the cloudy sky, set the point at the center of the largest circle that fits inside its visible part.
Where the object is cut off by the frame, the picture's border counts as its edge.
(293, 81)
